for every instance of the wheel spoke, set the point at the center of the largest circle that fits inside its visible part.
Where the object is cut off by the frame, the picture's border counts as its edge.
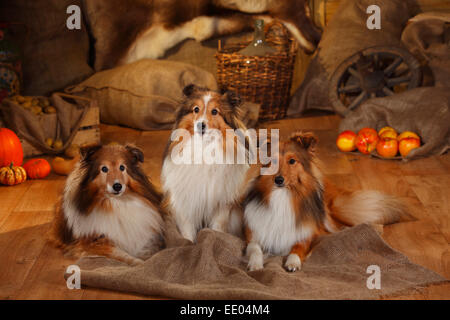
(354, 73)
(350, 89)
(376, 61)
(391, 68)
(358, 100)
(394, 81)
(402, 71)
(388, 91)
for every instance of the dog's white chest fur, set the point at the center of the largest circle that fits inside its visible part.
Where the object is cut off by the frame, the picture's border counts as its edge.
(273, 226)
(198, 190)
(132, 226)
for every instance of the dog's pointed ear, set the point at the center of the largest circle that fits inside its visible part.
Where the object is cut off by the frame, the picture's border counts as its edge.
(232, 98)
(189, 89)
(235, 118)
(136, 154)
(87, 152)
(306, 140)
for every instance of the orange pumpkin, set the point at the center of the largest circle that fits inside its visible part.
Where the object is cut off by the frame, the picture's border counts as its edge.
(37, 168)
(10, 148)
(12, 175)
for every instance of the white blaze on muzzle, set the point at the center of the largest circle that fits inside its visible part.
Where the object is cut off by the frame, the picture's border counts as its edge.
(201, 124)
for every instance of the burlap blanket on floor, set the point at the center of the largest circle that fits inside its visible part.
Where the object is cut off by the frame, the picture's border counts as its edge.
(215, 268)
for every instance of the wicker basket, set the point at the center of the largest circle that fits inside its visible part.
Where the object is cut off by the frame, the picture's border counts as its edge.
(265, 80)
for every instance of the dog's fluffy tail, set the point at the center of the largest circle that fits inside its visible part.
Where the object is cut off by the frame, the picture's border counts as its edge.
(373, 207)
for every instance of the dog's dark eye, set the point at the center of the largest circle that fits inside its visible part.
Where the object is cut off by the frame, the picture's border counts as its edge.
(291, 161)
(214, 112)
(196, 109)
(122, 167)
(105, 169)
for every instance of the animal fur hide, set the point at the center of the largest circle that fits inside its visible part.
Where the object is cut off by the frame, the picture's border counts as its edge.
(125, 31)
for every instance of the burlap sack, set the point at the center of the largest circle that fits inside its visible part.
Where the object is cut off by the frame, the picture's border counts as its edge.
(345, 35)
(70, 112)
(428, 38)
(53, 56)
(142, 95)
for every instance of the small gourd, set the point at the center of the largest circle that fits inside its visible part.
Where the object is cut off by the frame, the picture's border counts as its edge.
(12, 175)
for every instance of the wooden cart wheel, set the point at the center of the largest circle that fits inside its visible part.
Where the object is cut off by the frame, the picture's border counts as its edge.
(373, 72)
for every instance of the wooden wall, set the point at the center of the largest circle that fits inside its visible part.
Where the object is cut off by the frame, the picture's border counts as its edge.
(323, 10)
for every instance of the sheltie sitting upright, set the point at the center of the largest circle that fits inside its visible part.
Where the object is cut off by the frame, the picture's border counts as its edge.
(109, 207)
(203, 194)
(287, 211)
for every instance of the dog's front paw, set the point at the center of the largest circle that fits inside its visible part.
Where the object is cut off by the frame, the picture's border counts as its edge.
(293, 263)
(256, 262)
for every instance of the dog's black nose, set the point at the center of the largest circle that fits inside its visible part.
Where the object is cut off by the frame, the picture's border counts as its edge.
(201, 127)
(279, 180)
(117, 187)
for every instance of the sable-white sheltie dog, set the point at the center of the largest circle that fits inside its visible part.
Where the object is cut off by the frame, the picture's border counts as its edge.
(285, 212)
(109, 207)
(204, 194)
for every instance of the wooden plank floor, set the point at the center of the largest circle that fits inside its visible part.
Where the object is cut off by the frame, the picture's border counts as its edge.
(31, 269)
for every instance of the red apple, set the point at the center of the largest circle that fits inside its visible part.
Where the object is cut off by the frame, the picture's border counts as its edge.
(387, 130)
(387, 147)
(366, 140)
(408, 134)
(346, 141)
(389, 134)
(407, 144)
